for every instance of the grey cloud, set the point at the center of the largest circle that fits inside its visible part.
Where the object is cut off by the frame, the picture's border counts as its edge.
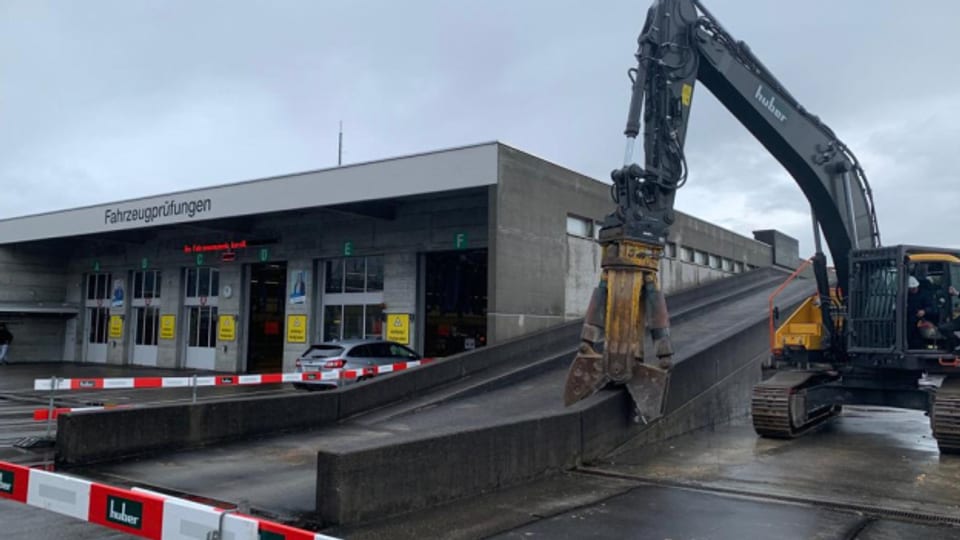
(133, 98)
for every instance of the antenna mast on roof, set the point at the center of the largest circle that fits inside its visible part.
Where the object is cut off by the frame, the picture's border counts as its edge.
(340, 146)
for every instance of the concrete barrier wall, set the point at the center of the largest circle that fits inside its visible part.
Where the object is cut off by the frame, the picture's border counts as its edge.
(84, 438)
(97, 436)
(395, 478)
(379, 478)
(707, 389)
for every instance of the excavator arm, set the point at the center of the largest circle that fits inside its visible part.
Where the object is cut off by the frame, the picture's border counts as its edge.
(682, 43)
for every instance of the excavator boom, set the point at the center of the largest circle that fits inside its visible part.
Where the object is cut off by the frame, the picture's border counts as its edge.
(682, 43)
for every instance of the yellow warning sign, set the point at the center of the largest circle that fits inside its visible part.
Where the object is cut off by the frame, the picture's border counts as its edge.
(398, 327)
(296, 328)
(227, 327)
(168, 325)
(686, 94)
(116, 326)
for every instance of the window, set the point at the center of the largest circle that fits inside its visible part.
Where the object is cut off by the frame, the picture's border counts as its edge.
(686, 254)
(202, 327)
(374, 274)
(353, 297)
(354, 275)
(373, 317)
(700, 257)
(334, 276)
(362, 351)
(99, 318)
(332, 322)
(727, 265)
(737, 267)
(714, 261)
(146, 284)
(670, 250)
(352, 322)
(98, 287)
(202, 282)
(323, 351)
(401, 352)
(579, 226)
(148, 321)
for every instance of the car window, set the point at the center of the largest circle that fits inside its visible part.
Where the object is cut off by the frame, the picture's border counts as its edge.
(361, 351)
(323, 351)
(381, 350)
(399, 351)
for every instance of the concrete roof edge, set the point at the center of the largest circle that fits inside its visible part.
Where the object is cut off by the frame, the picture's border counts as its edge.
(227, 185)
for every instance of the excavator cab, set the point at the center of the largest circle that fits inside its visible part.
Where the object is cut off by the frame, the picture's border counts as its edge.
(890, 319)
(938, 278)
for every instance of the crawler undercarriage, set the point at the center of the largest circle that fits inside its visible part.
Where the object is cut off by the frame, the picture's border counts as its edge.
(791, 403)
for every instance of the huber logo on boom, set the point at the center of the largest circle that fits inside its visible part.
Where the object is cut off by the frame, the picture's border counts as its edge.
(770, 105)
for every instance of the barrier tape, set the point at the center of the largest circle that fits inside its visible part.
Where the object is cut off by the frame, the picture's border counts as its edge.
(137, 512)
(44, 414)
(219, 380)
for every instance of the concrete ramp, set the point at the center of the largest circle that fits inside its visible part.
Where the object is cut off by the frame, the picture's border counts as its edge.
(478, 443)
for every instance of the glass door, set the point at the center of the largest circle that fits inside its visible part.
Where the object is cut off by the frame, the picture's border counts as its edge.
(97, 318)
(200, 304)
(353, 298)
(146, 317)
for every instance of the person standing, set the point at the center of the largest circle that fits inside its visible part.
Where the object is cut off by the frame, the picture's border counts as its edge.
(920, 307)
(6, 338)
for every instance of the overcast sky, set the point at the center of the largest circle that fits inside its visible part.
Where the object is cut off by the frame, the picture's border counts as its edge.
(106, 100)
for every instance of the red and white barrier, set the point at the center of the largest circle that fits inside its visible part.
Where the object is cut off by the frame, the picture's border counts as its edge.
(179, 382)
(44, 414)
(220, 380)
(137, 512)
(381, 370)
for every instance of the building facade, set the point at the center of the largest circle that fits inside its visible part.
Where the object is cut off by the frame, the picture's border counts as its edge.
(444, 251)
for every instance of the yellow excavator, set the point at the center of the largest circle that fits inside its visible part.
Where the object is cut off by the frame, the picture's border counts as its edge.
(882, 332)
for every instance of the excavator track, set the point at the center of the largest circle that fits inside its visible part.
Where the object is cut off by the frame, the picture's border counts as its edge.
(945, 417)
(777, 402)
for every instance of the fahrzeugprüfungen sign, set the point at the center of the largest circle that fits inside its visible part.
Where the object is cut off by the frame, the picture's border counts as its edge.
(148, 214)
